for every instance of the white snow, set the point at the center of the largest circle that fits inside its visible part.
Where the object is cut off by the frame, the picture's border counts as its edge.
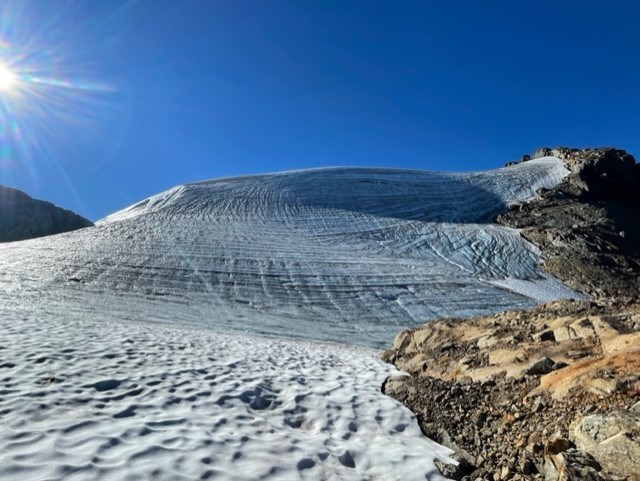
(89, 400)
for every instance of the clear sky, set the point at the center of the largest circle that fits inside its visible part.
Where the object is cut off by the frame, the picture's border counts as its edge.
(106, 102)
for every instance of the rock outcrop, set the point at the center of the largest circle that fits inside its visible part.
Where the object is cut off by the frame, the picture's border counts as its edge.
(552, 392)
(613, 438)
(509, 393)
(22, 217)
(588, 226)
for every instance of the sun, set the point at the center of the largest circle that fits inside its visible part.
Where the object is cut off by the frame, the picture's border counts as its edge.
(8, 79)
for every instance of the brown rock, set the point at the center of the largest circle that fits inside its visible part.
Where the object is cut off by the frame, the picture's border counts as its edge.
(556, 445)
(577, 224)
(541, 366)
(572, 465)
(543, 336)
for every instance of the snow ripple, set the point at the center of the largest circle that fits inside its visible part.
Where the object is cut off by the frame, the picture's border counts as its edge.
(87, 400)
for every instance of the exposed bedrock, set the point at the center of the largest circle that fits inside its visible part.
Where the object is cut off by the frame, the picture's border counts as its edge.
(550, 392)
(546, 393)
(588, 226)
(22, 217)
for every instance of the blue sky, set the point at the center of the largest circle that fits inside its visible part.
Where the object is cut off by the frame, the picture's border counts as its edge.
(124, 99)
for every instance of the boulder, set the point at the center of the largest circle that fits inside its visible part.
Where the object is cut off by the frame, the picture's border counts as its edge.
(542, 366)
(612, 439)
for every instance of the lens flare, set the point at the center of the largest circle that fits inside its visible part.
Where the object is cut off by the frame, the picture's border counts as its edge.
(62, 111)
(8, 79)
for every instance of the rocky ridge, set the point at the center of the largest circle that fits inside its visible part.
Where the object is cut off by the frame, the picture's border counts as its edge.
(551, 392)
(587, 226)
(22, 217)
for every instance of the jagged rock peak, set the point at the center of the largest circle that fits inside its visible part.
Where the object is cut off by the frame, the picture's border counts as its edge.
(23, 217)
(587, 225)
(601, 173)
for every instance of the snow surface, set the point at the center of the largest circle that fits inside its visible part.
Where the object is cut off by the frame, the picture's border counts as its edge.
(90, 389)
(88, 400)
(338, 254)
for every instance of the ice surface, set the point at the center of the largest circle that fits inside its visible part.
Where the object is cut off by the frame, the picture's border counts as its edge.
(90, 390)
(89, 400)
(345, 254)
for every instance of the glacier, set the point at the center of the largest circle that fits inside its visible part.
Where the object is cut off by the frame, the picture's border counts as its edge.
(158, 343)
(342, 254)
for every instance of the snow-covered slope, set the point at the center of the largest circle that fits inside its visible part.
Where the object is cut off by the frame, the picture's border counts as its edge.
(352, 255)
(346, 254)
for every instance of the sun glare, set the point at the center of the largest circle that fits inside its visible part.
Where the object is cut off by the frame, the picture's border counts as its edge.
(58, 106)
(7, 79)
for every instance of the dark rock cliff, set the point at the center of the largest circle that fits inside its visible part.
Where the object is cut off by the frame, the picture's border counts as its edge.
(588, 226)
(22, 217)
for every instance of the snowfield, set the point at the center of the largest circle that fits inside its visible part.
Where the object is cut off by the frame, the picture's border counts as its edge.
(88, 400)
(333, 254)
(107, 373)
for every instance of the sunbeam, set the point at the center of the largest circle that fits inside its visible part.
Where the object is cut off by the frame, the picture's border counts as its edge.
(61, 112)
